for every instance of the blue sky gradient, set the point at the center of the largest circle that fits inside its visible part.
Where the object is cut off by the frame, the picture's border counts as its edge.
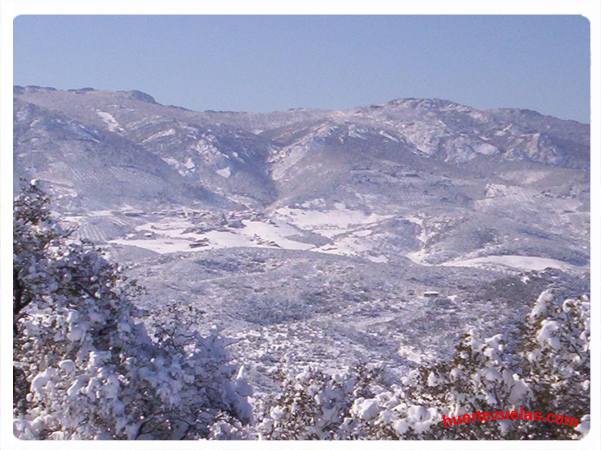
(264, 63)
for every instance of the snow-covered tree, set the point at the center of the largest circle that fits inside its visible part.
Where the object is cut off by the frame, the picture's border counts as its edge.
(85, 365)
(312, 404)
(556, 359)
(549, 372)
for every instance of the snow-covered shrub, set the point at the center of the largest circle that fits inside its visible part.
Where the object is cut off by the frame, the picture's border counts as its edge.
(556, 359)
(315, 405)
(549, 372)
(475, 379)
(86, 368)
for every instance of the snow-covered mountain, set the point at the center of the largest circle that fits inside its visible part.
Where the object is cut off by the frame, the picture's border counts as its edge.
(258, 156)
(318, 228)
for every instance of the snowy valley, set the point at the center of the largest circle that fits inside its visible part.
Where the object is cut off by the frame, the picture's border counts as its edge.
(376, 234)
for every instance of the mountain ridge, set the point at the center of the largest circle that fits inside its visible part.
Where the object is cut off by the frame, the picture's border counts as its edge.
(144, 96)
(255, 157)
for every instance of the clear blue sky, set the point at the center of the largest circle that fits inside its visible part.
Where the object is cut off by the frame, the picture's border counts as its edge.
(263, 63)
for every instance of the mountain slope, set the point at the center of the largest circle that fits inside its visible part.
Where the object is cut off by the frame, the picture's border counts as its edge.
(378, 233)
(425, 180)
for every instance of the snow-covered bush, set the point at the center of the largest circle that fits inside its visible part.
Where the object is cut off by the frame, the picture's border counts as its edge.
(556, 359)
(549, 372)
(86, 367)
(475, 379)
(312, 404)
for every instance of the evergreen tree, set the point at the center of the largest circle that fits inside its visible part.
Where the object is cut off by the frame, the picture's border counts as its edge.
(85, 365)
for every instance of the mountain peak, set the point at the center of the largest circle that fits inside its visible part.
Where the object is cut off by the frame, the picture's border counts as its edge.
(141, 96)
(426, 103)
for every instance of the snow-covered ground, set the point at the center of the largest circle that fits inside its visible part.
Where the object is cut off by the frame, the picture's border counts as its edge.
(348, 230)
(515, 261)
(329, 223)
(344, 232)
(110, 121)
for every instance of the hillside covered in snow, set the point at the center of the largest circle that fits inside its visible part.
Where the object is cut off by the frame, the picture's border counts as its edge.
(376, 233)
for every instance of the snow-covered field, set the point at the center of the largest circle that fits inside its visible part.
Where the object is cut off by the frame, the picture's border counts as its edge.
(338, 231)
(515, 261)
(329, 223)
(170, 236)
(346, 230)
